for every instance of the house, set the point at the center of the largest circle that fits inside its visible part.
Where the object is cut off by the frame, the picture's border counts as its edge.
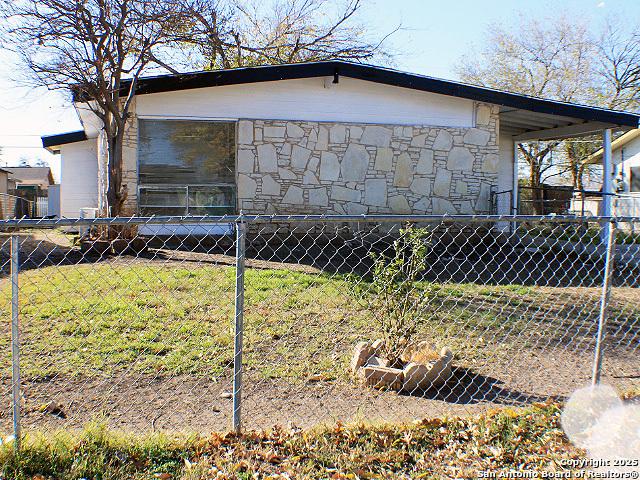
(32, 192)
(31, 178)
(5, 183)
(328, 137)
(625, 157)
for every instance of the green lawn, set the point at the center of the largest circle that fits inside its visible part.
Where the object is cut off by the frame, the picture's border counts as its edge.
(172, 318)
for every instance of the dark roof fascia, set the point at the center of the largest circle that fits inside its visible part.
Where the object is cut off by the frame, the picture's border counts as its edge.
(185, 81)
(63, 138)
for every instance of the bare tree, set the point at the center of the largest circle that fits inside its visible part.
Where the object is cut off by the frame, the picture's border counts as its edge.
(90, 47)
(559, 59)
(618, 67)
(540, 58)
(237, 33)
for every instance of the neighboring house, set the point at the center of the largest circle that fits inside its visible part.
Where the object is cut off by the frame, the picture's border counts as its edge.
(28, 178)
(5, 184)
(326, 137)
(625, 156)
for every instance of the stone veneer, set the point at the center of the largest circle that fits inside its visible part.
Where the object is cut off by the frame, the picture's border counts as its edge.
(295, 167)
(298, 167)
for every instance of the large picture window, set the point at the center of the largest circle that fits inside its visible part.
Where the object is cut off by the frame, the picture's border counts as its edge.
(186, 167)
(634, 181)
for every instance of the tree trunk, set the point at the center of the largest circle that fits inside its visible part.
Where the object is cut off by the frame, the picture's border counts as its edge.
(115, 194)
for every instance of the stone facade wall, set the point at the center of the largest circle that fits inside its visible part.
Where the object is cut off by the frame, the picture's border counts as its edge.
(299, 167)
(292, 167)
(130, 163)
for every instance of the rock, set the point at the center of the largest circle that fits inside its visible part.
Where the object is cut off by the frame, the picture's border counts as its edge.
(246, 161)
(399, 205)
(377, 346)
(375, 192)
(300, 157)
(490, 163)
(462, 187)
(293, 196)
(285, 150)
(442, 183)
(318, 197)
(270, 186)
(313, 164)
(423, 205)
(329, 166)
(309, 178)
(404, 171)
(323, 138)
(337, 134)
(361, 354)
(383, 377)
(53, 408)
(384, 159)
(421, 186)
(419, 376)
(346, 194)
(476, 136)
(414, 377)
(425, 162)
(356, 209)
(274, 132)
(443, 141)
(418, 140)
(460, 158)
(245, 132)
(355, 133)
(286, 174)
(294, 130)
(375, 361)
(226, 395)
(483, 115)
(483, 203)
(355, 163)
(246, 186)
(376, 136)
(267, 158)
(443, 206)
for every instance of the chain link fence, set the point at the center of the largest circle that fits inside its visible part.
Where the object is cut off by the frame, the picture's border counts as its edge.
(208, 323)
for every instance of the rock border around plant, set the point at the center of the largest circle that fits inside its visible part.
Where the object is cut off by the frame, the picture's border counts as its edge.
(374, 371)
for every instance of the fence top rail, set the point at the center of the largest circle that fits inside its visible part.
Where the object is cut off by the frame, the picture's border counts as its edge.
(244, 218)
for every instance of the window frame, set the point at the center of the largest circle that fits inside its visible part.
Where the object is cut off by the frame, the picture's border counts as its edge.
(631, 178)
(139, 186)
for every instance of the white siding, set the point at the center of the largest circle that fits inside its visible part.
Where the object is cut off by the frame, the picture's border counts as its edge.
(505, 174)
(78, 177)
(630, 152)
(628, 205)
(351, 100)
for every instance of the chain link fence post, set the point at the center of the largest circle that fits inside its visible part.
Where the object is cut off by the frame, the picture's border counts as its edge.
(239, 327)
(15, 339)
(604, 299)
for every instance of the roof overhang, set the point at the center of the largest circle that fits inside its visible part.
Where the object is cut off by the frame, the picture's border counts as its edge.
(523, 117)
(53, 142)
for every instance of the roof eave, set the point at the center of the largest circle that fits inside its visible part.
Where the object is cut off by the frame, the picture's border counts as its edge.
(53, 142)
(166, 83)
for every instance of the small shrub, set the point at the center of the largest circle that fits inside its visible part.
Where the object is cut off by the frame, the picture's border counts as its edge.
(400, 302)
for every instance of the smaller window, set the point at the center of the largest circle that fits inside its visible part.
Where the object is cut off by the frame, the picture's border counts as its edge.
(634, 181)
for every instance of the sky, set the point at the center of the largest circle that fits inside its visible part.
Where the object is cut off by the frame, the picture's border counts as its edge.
(433, 38)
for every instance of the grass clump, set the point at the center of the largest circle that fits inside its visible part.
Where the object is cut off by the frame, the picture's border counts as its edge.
(528, 439)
